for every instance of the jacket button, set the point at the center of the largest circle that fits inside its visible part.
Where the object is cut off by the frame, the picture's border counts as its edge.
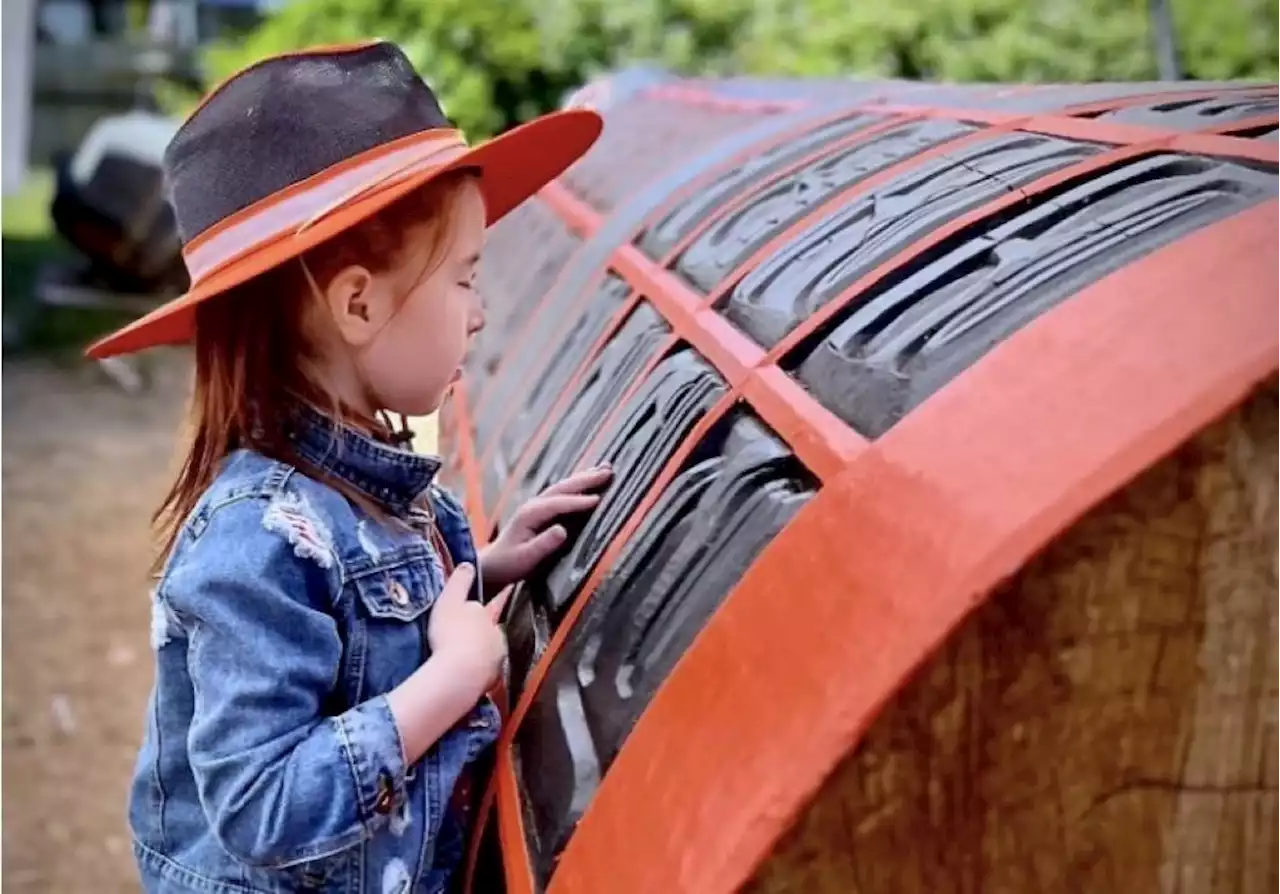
(386, 796)
(399, 595)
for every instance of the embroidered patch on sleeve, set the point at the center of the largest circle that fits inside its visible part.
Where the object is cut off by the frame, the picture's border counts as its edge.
(292, 517)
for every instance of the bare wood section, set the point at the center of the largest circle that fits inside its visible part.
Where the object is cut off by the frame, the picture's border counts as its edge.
(1105, 722)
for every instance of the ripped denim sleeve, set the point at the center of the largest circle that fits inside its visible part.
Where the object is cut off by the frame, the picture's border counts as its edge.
(280, 782)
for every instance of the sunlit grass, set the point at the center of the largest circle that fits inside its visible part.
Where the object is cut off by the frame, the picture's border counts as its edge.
(28, 243)
(25, 214)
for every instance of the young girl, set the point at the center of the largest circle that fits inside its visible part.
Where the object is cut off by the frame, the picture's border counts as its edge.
(322, 645)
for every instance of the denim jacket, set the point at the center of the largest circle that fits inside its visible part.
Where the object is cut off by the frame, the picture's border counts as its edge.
(271, 762)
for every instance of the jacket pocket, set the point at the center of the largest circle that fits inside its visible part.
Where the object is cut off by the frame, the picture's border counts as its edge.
(402, 592)
(390, 638)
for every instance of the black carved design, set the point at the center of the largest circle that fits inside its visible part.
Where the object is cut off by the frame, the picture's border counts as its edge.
(786, 289)
(610, 375)
(524, 254)
(924, 324)
(647, 432)
(737, 492)
(541, 384)
(538, 372)
(1193, 114)
(674, 396)
(677, 223)
(723, 247)
(1266, 132)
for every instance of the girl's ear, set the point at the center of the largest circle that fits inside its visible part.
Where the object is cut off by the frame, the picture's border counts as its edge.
(356, 300)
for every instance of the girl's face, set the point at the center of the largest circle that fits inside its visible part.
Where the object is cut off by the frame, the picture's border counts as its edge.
(407, 329)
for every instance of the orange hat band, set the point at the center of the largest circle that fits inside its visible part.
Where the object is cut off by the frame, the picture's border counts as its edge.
(296, 210)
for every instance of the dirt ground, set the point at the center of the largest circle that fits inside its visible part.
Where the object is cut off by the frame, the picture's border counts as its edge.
(83, 465)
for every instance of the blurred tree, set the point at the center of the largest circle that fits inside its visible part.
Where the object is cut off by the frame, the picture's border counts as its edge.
(482, 57)
(1227, 38)
(497, 62)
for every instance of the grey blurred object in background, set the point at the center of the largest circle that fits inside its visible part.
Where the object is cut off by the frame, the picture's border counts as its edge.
(110, 203)
(1166, 40)
(18, 23)
(86, 86)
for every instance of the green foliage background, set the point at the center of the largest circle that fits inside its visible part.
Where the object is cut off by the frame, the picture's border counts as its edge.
(497, 62)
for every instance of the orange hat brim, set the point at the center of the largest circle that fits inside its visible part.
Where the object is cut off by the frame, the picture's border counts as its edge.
(512, 167)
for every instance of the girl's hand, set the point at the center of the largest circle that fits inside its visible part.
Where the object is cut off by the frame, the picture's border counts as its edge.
(531, 537)
(467, 651)
(466, 635)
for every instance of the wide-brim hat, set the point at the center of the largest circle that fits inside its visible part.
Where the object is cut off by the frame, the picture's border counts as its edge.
(300, 147)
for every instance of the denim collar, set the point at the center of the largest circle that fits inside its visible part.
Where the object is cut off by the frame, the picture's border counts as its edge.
(390, 475)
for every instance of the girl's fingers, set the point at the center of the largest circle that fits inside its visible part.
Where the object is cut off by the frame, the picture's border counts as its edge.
(458, 585)
(591, 479)
(540, 510)
(530, 553)
(497, 605)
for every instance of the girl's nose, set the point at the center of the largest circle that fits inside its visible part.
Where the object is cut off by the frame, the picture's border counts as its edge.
(475, 320)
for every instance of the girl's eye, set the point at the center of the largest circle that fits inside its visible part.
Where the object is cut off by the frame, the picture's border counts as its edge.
(467, 285)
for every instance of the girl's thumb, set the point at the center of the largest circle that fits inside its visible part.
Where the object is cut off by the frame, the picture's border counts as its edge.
(459, 583)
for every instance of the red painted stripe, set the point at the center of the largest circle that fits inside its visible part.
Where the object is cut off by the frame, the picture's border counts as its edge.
(1099, 130)
(515, 853)
(733, 354)
(1158, 98)
(823, 442)
(697, 96)
(1233, 148)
